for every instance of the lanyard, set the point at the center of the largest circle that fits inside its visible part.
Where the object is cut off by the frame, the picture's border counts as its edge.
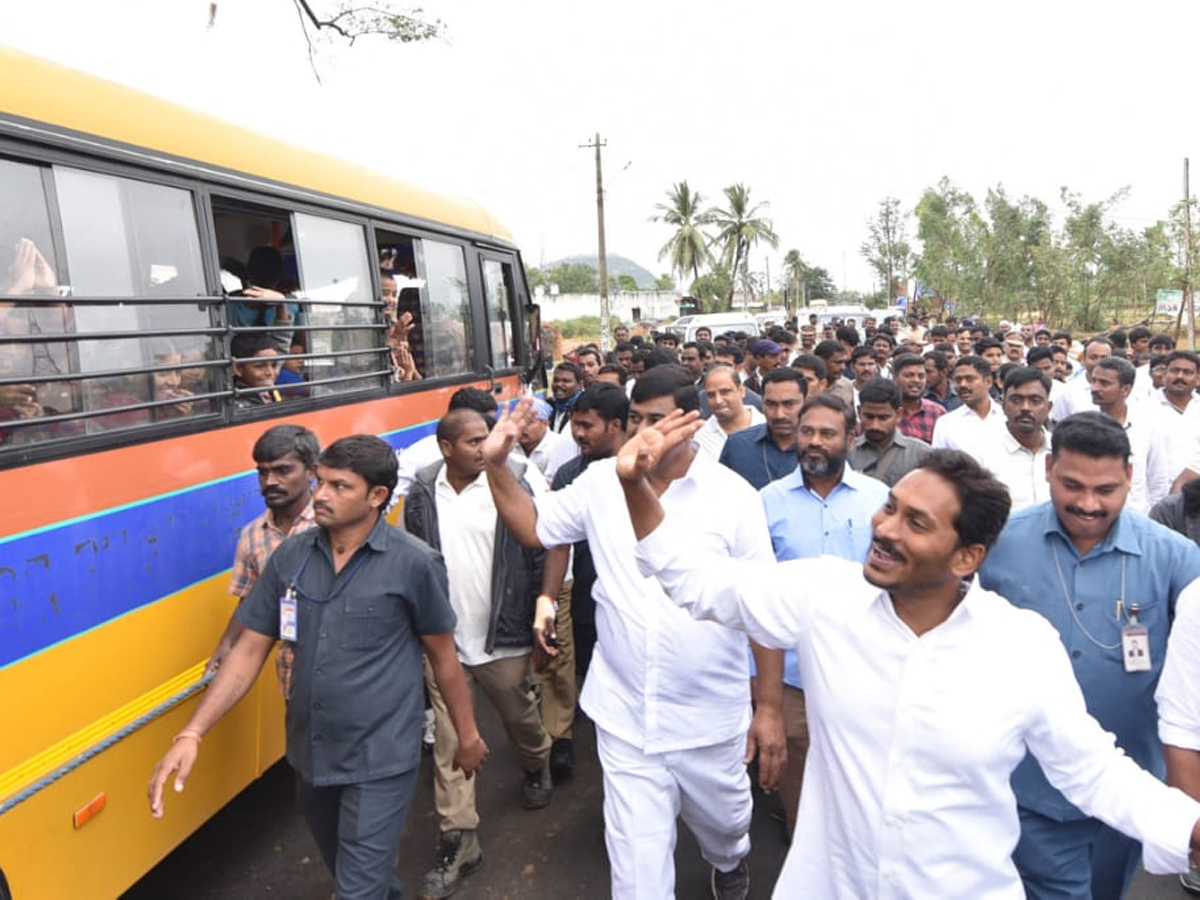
(1071, 606)
(341, 579)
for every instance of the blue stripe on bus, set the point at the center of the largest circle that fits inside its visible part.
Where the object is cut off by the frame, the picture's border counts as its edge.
(60, 581)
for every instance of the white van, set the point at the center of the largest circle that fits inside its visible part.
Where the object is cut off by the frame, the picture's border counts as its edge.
(718, 323)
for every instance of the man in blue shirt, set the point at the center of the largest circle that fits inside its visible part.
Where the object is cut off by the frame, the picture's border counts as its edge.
(823, 508)
(1107, 579)
(765, 452)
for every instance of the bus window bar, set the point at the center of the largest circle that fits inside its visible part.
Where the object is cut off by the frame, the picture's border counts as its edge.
(96, 749)
(110, 373)
(80, 415)
(332, 354)
(60, 337)
(317, 382)
(288, 326)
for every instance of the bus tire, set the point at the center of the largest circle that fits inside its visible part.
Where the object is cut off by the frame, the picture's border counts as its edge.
(5, 893)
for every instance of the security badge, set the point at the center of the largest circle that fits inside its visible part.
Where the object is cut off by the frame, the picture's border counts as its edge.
(287, 616)
(1135, 644)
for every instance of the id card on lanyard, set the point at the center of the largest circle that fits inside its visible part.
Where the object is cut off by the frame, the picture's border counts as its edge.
(288, 615)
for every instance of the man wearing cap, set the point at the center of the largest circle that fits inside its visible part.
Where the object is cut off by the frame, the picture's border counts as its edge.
(761, 357)
(1014, 347)
(545, 448)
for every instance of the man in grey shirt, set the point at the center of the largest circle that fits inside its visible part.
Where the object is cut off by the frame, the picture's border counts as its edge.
(882, 451)
(359, 599)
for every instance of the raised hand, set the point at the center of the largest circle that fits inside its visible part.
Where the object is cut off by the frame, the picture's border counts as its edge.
(644, 451)
(509, 424)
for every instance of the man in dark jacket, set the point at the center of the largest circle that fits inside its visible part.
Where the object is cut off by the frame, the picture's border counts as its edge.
(493, 585)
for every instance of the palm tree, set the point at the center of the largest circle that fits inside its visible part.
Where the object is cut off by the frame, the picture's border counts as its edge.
(688, 247)
(796, 270)
(740, 226)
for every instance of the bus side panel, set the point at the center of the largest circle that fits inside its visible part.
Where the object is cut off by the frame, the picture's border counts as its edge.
(41, 850)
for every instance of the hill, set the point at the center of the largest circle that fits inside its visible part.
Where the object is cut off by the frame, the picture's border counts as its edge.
(617, 265)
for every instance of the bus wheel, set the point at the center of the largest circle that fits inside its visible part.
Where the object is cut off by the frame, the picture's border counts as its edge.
(5, 893)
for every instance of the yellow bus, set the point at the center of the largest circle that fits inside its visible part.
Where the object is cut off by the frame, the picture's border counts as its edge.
(130, 230)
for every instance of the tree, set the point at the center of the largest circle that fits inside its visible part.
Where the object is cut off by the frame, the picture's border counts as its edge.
(794, 270)
(714, 289)
(664, 282)
(349, 22)
(623, 282)
(687, 249)
(886, 248)
(575, 278)
(950, 267)
(740, 227)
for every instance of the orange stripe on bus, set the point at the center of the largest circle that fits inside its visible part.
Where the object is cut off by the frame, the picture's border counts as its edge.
(41, 495)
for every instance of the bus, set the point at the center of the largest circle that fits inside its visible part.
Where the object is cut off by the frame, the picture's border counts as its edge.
(133, 234)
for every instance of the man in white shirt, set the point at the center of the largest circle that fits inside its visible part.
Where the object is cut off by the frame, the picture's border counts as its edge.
(1178, 703)
(1149, 437)
(493, 583)
(725, 393)
(966, 428)
(669, 696)
(545, 448)
(1017, 452)
(918, 714)
(1078, 397)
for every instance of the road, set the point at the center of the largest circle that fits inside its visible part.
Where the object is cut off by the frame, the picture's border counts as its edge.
(259, 847)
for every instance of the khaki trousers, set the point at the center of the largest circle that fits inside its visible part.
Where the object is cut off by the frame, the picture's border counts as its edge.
(560, 693)
(795, 726)
(506, 684)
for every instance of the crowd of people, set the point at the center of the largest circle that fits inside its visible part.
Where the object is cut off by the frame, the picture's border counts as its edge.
(939, 586)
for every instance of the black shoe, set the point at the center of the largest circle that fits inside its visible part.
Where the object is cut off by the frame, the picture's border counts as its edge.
(562, 758)
(537, 787)
(733, 885)
(458, 855)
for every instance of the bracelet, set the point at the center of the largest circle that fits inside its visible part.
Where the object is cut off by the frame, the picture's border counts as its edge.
(188, 733)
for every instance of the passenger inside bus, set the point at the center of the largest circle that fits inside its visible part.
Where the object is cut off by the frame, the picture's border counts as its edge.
(261, 301)
(115, 393)
(258, 369)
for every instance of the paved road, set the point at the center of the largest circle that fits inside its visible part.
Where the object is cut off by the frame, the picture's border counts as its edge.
(258, 847)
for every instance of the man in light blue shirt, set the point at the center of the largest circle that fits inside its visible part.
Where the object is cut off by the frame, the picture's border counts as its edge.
(1099, 573)
(823, 508)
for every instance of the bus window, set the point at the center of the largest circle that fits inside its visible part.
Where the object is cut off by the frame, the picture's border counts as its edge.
(401, 293)
(497, 285)
(29, 306)
(449, 345)
(132, 241)
(344, 325)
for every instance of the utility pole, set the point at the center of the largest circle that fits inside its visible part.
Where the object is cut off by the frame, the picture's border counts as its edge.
(1188, 301)
(603, 261)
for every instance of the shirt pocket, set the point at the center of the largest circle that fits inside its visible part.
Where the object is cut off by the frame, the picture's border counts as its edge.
(367, 626)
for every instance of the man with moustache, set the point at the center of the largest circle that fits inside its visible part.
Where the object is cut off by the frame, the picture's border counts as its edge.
(1017, 454)
(361, 600)
(725, 395)
(925, 690)
(883, 451)
(967, 428)
(1094, 570)
(286, 460)
(823, 508)
(765, 452)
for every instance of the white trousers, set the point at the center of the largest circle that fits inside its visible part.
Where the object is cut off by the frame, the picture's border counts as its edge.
(644, 793)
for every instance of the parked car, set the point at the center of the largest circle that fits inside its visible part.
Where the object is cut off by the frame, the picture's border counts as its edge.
(685, 327)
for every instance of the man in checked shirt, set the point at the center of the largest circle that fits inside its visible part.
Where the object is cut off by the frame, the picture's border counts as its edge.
(286, 459)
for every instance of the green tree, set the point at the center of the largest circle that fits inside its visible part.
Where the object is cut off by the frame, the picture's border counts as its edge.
(950, 266)
(1016, 229)
(575, 278)
(886, 248)
(818, 283)
(713, 289)
(624, 282)
(795, 271)
(664, 282)
(740, 227)
(687, 250)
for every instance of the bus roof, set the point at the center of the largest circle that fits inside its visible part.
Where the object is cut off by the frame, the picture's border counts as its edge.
(74, 101)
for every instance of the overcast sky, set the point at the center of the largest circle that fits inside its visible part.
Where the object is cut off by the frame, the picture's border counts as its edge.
(822, 109)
